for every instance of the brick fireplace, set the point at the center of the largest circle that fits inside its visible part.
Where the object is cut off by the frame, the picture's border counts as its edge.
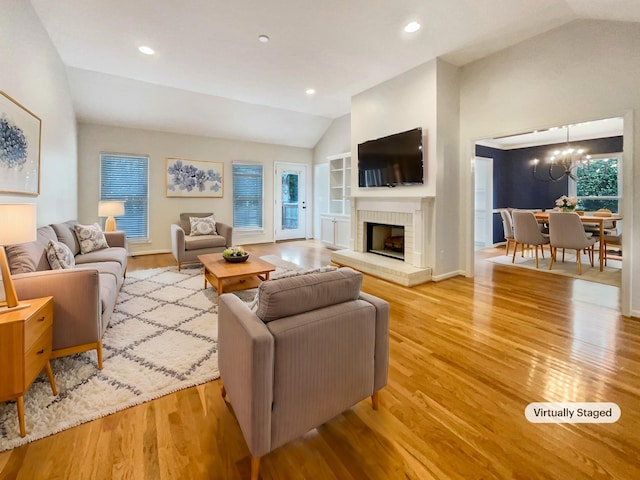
(409, 214)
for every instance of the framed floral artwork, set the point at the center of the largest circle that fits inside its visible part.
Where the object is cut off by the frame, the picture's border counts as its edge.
(194, 178)
(20, 132)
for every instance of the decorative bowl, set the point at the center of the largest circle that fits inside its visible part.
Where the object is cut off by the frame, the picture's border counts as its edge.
(236, 258)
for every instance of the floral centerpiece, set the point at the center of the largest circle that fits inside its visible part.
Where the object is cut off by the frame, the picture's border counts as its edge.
(235, 254)
(567, 204)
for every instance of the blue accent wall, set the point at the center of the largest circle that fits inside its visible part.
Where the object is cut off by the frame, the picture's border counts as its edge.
(513, 182)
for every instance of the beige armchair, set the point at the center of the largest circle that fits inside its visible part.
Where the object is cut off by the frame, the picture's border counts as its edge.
(186, 247)
(314, 346)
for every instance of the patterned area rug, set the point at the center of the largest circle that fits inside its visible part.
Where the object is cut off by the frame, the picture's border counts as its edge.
(162, 338)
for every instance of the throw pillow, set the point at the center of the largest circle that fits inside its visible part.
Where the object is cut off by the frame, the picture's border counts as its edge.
(203, 225)
(59, 255)
(90, 237)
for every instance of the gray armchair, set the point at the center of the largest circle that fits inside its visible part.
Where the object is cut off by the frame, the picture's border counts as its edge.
(186, 248)
(314, 346)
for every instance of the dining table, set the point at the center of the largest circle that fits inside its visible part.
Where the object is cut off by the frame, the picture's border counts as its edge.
(589, 219)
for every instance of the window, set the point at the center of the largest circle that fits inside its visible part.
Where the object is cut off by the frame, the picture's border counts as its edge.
(126, 178)
(598, 183)
(247, 196)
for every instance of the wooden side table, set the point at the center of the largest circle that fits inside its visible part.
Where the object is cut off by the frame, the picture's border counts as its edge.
(26, 338)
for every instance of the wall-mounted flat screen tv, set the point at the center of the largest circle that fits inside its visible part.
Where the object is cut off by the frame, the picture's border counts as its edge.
(391, 161)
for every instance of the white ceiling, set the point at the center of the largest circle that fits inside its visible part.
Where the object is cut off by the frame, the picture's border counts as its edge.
(211, 76)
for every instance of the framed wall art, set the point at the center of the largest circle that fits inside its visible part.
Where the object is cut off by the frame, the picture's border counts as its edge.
(20, 132)
(194, 178)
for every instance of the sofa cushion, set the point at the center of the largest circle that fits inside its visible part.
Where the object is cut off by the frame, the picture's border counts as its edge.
(293, 295)
(111, 254)
(59, 255)
(203, 225)
(203, 241)
(90, 237)
(108, 292)
(67, 235)
(185, 223)
(31, 256)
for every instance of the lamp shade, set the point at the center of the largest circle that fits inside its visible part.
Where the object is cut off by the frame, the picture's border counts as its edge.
(17, 223)
(110, 209)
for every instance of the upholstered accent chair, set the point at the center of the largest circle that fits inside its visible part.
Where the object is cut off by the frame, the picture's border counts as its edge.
(313, 346)
(527, 232)
(186, 245)
(566, 231)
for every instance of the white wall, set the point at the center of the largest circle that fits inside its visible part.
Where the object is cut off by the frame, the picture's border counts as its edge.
(583, 71)
(447, 202)
(402, 103)
(163, 211)
(337, 139)
(428, 97)
(32, 73)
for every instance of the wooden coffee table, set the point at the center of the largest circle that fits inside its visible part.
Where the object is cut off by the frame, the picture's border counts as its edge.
(230, 277)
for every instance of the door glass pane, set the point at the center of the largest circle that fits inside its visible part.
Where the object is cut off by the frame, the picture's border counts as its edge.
(290, 201)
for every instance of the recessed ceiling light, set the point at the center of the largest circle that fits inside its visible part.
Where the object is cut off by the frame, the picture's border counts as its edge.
(412, 27)
(264, 38)
(310, 91)
(146, 50)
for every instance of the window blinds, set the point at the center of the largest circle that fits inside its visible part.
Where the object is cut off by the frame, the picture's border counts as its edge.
(126, 178)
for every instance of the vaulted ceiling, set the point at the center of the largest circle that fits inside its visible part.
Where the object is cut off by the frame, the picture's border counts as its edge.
(211, 76)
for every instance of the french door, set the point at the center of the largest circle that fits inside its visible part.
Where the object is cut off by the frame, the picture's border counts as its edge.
(290, 210)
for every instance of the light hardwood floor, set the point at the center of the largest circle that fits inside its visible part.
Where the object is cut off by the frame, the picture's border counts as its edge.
(466, 357)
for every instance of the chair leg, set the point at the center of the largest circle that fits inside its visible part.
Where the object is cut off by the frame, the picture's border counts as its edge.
(99, 354)
(255, 468)
(579, 262)
(563, 255)
(536, 247)
(552, 257)
(515, 250)
(179, 265)
(374, 400)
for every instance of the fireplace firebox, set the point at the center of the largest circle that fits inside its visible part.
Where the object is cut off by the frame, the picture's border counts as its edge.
(386, 240)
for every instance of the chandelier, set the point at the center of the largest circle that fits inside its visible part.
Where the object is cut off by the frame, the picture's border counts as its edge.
(560, 163)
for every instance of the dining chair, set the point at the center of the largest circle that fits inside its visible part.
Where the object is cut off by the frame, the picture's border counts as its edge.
(612, 239)
(607, 226)
(507, 225)
(566, 231)
(526, 231)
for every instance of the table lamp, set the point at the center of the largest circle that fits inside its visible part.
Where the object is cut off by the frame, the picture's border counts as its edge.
(17, 225)
(110, 209)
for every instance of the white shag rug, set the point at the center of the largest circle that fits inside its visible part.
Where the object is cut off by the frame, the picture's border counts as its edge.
(162, 338)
